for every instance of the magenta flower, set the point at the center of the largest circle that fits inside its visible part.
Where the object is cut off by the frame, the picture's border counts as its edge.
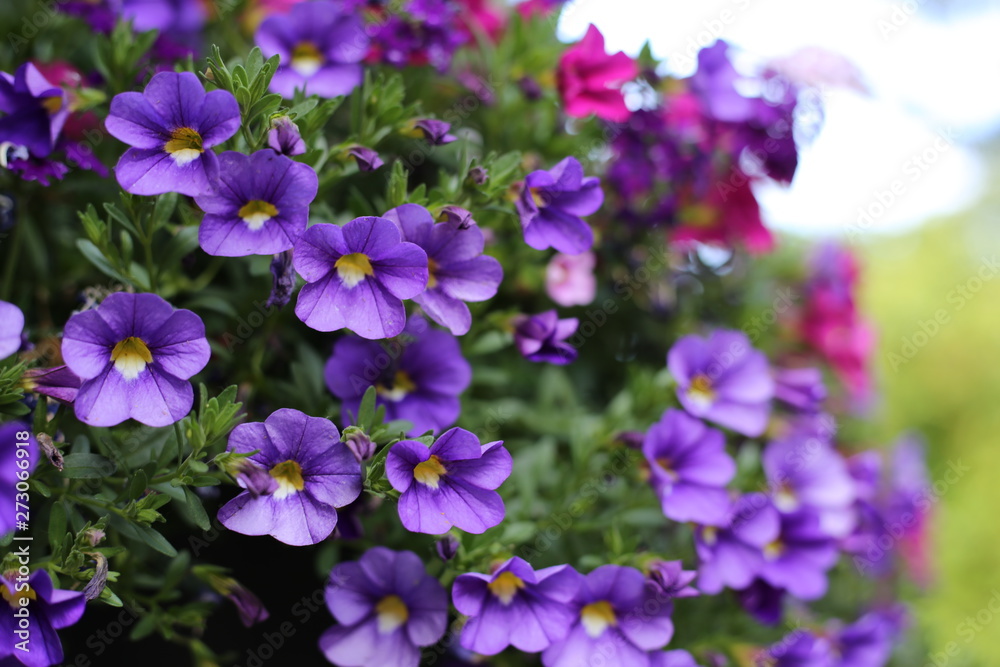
(315, 474)
(11, 327)
(387, 607)
(260, 205)
(458, 271)
(450, 484)
(542, 337)
(49, 609)
(357, 277)
(516, 606)
(170, 126)
(320, 45)
(590, 79)
(13, 433)
(570, 280)
(134, 354)
(552, 203)
(689, 468)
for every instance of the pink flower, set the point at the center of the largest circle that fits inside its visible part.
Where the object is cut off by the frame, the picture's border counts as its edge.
(569, 279)
(729, 217)
(482, 16)
(590, 79)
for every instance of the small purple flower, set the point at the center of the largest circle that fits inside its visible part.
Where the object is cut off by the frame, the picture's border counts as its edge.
(542, 337)
(421, 32)
(797, 559)
(134, 354)
(723, 379)
(11, 327)
(33, 112)
(260, 205)
(689, 468)
(456, 215)
(435, 132)
(552, 203)
(801, 389)
(516, 606)
(451, 484)
(359, 442)
(671, 659)
(868, 641)
(170, 126)
(447, 547)
(670, 579)
(457, 269)
(479, 175)
(320, 46)
(387, 606)
(284, 137)
(11, 463)
(58, 382)
(249, 607)
(49, 609)
(763, 601)
(357, 277)
(734, 555)
(616, 616)
(418, 378)
(800, 648)
(367, 159)
(282, 280)
(315, 474)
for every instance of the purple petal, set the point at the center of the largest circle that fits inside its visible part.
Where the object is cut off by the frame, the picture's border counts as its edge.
(134, 121)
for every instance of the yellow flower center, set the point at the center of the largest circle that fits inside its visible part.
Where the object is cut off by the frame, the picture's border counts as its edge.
(700, 391)
(392, 613)
(432, 268)
(773, 550)
(700, 216)
(353, 268)
(709, 534)
(505, 586)
(256, 212)
(784, 498)
(540, 198)
(667, 465)
(401, 386)
(429, 472)
(289, 477)
(184, 145)
(15, 599)
(53, 104)
(130, 357)
(597, 617)
(307, 59)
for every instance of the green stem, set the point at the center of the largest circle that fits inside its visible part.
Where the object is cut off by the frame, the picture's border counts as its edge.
(15, 253)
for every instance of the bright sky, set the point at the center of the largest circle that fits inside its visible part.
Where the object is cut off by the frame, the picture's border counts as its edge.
(929, 97)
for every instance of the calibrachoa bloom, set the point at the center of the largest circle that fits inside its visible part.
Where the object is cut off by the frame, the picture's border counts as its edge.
(49, 609)
(34, 112)
(797, 559)
(435, 132)
(284, 137)
(868, 641)
(134, 354)
(320, 46)
(516, 606)
(542, 337)
(11, 326)
(689, 468)
(171, 126)
(590, 79)
(723, 379)
(551, 204)
(59, 382)
(387, 607)
(458, 271)
(801, 389)
(671, 659)
(733, 555)
(451, 484)
(570, 279)
(260, 205)
(418, 379)
(13, 433)
(617, 617)
(670, 579)
(357, 277)
(315, 474)
(367, 159)
(420, 32)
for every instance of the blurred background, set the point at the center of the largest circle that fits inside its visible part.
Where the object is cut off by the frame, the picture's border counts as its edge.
(903, 172)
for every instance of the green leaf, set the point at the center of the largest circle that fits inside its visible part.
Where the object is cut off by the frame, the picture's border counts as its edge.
(137, 487)
(397, 185)
(194, 510)
(145, 535)
(57, 526)
(94, 255)
(366, 411)
(87, 466)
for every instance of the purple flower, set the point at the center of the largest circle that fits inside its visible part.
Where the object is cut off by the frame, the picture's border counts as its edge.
(387, 607)
(284, 137)
(798, 558)
(259, 206)
(315, 473)
(49, 609)
(19, 454)
(734, 555)
(321, 48)
(715, 84)
(670, 579)
(456, 267)
(58, 382)
(33, 112)
(451, 484)
(763, 601)
(134, 354)
(801, 648)
(689, 468)
(723, 379)
(435, 132)
(456, 215)
(671, 659)
(418, 378)
(367, 159)
(357, 277)
(868, 641)
(170, 126)
(423, 32)
(617, 617)
(249, 607)
(447, 547)
(282, 280)
(552, 203)
(11, 327)
(801, 389)
(542, 337)
(516, 606)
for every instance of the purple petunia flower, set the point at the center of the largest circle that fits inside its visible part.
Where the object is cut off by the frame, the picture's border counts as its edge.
(170, 126)
(669, 579)
(723, 379)
(797, 559)
(357, 277)
(49, 609)
(11, 327)
(435, 132)
(320, 46)
(617, 617)
(516, 606)
(451, 484)
(419, 378)
(33, 113)
(13, 434)
(315, 473)
(542, 337)
(367, 159)
(260, 205)
(734, 555)
(420, 32)
(58, 382)
(552, 203)
(134, 354)
(689, 468)
(456, 267)
(284, 137)
(387, 607)
(801, 389)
